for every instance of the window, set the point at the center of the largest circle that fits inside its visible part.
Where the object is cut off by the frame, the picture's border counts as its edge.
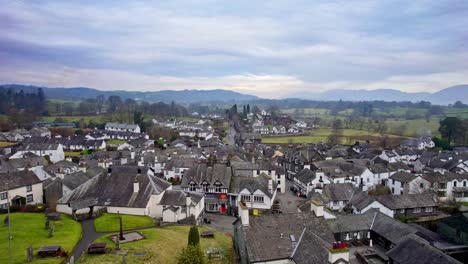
(393, 190)
(258, 172)
(3, 196)
(464, 183)
(393, 181)
(205, 187)
(454, 184)
(258, 199)
(4, 206)
(428, 209)
(218, 187)
(245, 198)
(336, 203)
(193, 187)
(402, 211)
(29, 198)
(421, 185)
(442, 185)
(212, 207)
(402, 185)
(416, 210)
(28, 188)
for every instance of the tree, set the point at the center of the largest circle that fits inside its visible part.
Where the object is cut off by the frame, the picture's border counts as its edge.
(194, 236)
(138, 119)
(100, 100)
(115, 103)
(191, 255)
(441, 143)
(451, 128)
(335, 135)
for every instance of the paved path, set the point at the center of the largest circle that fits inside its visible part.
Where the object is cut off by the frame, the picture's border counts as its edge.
(88, 236)
(221, 222)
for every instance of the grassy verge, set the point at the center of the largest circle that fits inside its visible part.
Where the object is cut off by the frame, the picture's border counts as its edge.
(29, 229)
(163, 245)
(110, 222)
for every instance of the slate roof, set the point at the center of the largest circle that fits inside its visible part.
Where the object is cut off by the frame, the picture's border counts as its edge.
(17, 179)
(445, 177)
(252, 184)
(178, 198)
(405, 201)
(311, 249)
(402, 176)
(415, 250)
(305, 176)
(73, 180)
(338, 192)
(200, 173)
(116, 189)
(339, 168)
(270, 228)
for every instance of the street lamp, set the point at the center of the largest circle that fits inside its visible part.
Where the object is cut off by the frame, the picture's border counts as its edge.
(10, 237)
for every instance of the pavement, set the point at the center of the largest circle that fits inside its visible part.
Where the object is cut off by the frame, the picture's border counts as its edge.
(288, 200)
(88, 236)
(220, 222)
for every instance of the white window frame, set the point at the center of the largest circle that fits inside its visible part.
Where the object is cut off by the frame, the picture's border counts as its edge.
(28, 188)
(417, 210)
(3, 196)
(259, 199)
(246, 197)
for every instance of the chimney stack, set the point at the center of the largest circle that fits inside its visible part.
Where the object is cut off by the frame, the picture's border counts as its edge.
(316, 206)
(136, 186)
(244, 213)
(270, 185)
(338, 251)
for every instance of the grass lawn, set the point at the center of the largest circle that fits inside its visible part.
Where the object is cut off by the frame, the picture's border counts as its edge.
(162, 245)
(28, 229)
(348, 136)
(110, 222)
(72, 154)
(410, 127)
(6, 144)
(115, 141)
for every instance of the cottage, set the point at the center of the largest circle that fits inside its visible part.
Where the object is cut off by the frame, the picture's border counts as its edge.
(53, 151)
(20, 188)
(122, 127)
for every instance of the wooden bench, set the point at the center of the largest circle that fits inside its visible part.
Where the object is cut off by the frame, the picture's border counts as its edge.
(97, 248)
(50, 251)
(207, 234)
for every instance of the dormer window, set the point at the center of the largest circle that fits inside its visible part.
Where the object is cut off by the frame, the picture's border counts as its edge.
(193, 187)
(218, 187)
(205, 187)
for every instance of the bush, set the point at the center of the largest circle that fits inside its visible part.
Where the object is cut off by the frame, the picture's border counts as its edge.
(24, 209)
(191, 255)
(194, 236)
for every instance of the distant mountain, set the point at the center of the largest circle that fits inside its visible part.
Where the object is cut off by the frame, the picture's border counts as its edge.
(182, 96)
(445, 96)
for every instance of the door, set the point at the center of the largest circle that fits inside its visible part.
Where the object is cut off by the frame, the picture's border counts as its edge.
(223, 208)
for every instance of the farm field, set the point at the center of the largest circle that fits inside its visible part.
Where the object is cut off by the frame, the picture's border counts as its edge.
(172, 239)
(28, 229)
(347, 137)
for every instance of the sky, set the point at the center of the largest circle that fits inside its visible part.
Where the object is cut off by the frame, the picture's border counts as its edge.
(272, 49)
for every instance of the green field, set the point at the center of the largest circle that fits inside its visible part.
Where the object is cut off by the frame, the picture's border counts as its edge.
(28, 229)
(6, 144)
(71, 119)
(163, 245)
(347, 136)
(110, 222)
(410, 127)
(115, 142)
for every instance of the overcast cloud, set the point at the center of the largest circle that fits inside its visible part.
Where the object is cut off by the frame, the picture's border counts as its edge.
(267, 48)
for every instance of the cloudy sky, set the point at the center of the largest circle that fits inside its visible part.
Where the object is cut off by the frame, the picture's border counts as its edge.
(268, 48)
